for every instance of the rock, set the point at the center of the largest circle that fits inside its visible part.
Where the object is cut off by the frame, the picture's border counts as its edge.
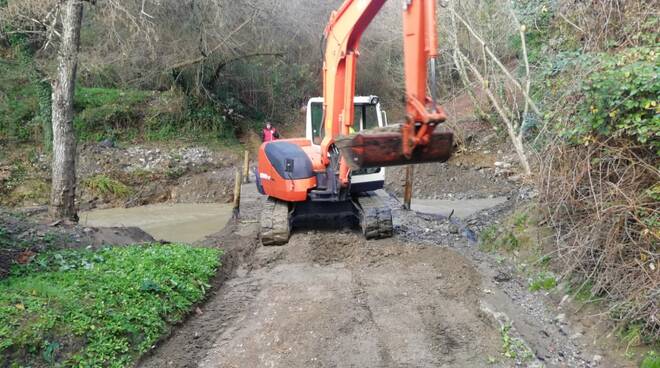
(597, 358)
(502, 277)
(515, 178)
(504, 172)
(107, 143)
(453, 229)
(560, 318)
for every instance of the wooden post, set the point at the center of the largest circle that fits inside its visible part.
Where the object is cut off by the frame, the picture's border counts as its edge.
(408, 187)
(237, 195)
(246, 167)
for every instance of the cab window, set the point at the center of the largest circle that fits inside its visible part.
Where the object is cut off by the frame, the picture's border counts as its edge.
(317, 120)
(366, 117)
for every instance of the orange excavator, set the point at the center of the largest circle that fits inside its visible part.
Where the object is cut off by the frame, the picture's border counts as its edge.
(311, 178)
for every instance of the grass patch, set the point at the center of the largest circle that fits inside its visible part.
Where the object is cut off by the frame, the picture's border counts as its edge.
(543, 281)
(22, 93)
(582, 292)
(87, 98)
(128, 115)
(493, 239)
(513, 347)
(487, 237)
(103, 308)
(108, 113)
(651, 360)
(107, 187)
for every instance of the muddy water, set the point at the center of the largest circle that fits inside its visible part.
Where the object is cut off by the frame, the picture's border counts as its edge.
(181, 222)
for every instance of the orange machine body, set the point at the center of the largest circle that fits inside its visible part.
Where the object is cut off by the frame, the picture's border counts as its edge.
(295, 171)
(274, 179)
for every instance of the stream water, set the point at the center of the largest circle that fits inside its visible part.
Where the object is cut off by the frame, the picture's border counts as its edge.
(180, 222)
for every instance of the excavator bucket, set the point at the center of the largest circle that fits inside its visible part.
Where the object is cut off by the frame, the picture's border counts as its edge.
(383, 147)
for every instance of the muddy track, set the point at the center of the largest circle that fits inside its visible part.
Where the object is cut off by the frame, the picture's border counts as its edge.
(332, 299)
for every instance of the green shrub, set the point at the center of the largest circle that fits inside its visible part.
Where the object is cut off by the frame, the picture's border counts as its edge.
(620, 98)
(25, 106)
(487, 237)
(651, 360)
(85, 308)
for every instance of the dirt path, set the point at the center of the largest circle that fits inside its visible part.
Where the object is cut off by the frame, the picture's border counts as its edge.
(338, 300)
(333, 299)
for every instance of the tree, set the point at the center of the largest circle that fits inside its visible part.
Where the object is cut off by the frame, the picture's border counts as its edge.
(500, 87)
(63, 190)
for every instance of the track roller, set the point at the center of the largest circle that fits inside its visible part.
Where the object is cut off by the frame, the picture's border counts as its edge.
(375, 216)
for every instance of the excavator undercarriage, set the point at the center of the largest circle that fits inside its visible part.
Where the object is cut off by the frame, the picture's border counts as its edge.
(368, 210)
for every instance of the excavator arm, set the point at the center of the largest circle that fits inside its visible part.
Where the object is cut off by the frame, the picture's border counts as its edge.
(414, 141)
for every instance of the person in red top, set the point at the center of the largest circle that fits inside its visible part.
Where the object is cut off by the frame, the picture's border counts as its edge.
(269, 133)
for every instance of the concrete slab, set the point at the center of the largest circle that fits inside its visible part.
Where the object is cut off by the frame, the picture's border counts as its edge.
(462, 208)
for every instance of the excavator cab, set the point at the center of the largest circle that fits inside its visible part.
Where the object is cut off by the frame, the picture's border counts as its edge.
(368, 116)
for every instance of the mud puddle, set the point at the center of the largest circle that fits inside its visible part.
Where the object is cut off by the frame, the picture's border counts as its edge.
(180, 222)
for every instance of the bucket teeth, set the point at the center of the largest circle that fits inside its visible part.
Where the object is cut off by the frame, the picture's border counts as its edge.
(383, 147)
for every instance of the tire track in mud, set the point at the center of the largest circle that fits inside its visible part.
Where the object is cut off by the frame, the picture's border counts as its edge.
(360, 300)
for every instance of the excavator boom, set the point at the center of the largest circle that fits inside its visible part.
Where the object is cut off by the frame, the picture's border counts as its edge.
(413, 141)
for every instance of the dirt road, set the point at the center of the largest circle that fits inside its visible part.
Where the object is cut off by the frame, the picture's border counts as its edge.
(332, 299)
(337, 300)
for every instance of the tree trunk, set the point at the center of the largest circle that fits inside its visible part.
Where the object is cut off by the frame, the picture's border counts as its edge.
(63, 192)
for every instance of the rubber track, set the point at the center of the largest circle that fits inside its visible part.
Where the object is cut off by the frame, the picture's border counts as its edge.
(275, 222)
(375, 217)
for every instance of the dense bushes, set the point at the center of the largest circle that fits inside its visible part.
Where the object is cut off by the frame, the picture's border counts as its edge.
(600, 165)
(602, 199)
(620, 98)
